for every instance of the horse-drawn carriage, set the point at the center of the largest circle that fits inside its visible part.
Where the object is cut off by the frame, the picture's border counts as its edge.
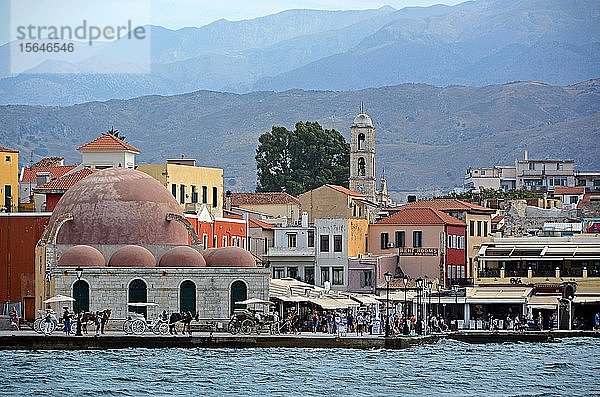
(136, 323)
(249, 321)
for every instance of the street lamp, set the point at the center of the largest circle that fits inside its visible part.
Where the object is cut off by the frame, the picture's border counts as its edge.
(405, 330)
(439, 288)
(427, 312)
(419, 327)
(388, 278)
(78, 272)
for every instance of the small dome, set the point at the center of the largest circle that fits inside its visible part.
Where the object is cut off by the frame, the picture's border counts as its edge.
(82, 255)
(230, 257)
(208, 253)
(183, 256)
(132, 256)
(362, 120)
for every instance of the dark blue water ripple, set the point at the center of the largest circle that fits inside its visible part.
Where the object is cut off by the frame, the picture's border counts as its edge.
(452, 368)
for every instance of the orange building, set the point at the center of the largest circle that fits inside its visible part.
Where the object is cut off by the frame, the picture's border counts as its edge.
(19, 234)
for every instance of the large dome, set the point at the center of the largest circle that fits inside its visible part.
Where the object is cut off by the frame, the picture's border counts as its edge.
(183, 256)
(362, 120)
(132, 256)
(82, 255)
(119, 206)
(230, 257)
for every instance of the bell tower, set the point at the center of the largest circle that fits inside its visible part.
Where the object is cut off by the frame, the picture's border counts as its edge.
(362, 156)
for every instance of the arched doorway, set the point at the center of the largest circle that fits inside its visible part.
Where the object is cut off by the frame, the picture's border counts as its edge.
(239, 292)
(138, 292)
(81, 294)
(361, 167)
(187, 296)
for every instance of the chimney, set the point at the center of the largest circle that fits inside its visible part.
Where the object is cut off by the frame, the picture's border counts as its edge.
(304, 219)
(42, 177)
(411, 198)
(228, 200)
(526, 155)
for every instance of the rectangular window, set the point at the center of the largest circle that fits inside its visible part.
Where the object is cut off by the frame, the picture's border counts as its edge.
(366, 278)
(309, 275)
(7, 158)
(384, 240)
(449, 241)
(324, 275)
(215, 198)
(400, 240)
(573, 199)
(214, 241)
(204, 195)
(182, 194)
(311, 238)
(292, 272)
(337, 243)
(324, 246)
(224, 241)
(194, 194)
(532, 166)
(174, 190)
(204, 241)
(278, 272)
(417, 238)
(291, 240)
(472, 228)
(338, 276)
(461, 244)
(478, 228)
(485, 229)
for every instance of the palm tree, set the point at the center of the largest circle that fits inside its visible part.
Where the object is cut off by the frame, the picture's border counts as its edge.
(115, 133)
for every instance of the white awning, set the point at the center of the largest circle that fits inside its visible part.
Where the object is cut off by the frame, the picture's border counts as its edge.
(508, 295)
(328, 303)
(543, 302)
(365, 299)
(587, 299)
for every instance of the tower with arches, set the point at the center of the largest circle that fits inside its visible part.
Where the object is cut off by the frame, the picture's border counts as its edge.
(362, 156)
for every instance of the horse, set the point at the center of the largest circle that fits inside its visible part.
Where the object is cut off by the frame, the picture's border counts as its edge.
(185, 318)
(99, 318)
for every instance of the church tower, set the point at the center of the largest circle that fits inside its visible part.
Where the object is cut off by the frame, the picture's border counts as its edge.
(362, 156)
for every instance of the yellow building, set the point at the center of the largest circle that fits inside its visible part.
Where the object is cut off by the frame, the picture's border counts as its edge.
(332, 201)
(9, 179)
(192, 186)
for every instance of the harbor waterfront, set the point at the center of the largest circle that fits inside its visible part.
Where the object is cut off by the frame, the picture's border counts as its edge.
(448, 367)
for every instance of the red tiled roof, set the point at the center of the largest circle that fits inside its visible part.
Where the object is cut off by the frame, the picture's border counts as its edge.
(420, 216)
(49, 162)
(107, 142)
(586, 198)
(497, 218)
(258, 223)
(7, 150)
(238, 199)
(559, 190)
(64, 182)
(446, 204)
(346, 191)
(29, 174)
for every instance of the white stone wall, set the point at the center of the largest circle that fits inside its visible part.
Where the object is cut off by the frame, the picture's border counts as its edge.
(109, 287)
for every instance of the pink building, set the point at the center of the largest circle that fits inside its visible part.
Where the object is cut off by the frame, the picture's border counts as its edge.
(430, 243)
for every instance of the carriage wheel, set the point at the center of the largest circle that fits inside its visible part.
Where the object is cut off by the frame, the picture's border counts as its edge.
(51, 327)
(247, 326)
(156, 329)
(163, 328)
(127, 326)
(38, 325)
(233, 327)
(138, 326)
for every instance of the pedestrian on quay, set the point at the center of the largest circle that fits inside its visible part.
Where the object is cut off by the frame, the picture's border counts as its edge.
(349, 323)
(597, 322)
(360, 324)
(540, 321)
(14, 319)
(48, 322)
(66, 317)
(329, 319)
(314, 321)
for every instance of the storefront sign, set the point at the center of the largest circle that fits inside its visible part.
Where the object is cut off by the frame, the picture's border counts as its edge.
(407, 251)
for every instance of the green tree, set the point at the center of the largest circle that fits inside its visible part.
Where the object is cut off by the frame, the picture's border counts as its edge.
(115, 133)
(302, 159)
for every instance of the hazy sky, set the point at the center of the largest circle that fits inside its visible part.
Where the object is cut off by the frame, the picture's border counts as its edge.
(180, 13)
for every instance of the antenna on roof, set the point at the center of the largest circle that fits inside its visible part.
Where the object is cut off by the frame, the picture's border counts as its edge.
(361, 107)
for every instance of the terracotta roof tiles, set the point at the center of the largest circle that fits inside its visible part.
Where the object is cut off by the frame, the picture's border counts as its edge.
(346, 190)
(30, 174)
(64, 182)
(258, 223)
(572, 190)
(107, 142)
(420, 216)
(268, 198)
(7, 150)
(448, 204)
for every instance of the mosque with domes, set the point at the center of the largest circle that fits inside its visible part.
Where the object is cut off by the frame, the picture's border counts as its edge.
(130, 237)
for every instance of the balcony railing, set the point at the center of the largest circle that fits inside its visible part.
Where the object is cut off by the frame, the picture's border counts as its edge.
(489, 273)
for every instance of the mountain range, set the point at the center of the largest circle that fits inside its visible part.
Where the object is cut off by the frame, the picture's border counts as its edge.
(475, 43)
(426, 136)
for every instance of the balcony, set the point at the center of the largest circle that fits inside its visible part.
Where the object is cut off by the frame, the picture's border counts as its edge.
(292, 251)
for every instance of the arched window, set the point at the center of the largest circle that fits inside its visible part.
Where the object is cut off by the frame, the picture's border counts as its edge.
(239, 292)
(138, 293)
(361, 166)
(81, 294)
(187, 296)
(361, 141)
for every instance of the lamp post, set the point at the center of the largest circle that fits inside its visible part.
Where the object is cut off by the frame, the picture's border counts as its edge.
(427, 312)
(388, 278)
(419, 324)
(78, 272)
(439, 288)
(405, 330)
